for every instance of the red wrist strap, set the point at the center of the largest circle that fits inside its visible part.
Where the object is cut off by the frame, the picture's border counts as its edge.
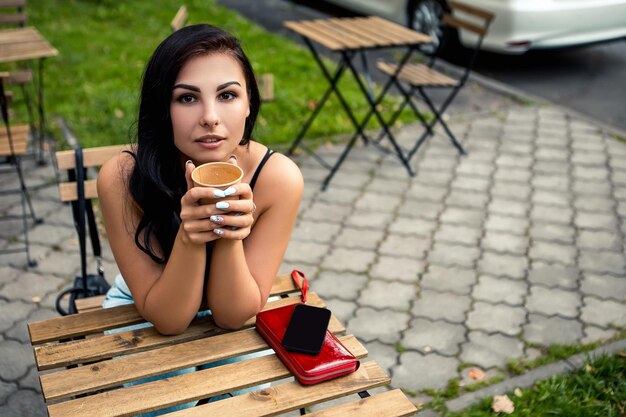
(303, 285)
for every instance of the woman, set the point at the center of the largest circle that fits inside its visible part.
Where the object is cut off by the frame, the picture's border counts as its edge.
(199, 102)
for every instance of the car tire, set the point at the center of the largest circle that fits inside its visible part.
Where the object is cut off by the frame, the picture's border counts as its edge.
(425, 16)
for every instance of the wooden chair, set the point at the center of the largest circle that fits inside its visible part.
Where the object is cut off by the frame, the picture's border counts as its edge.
(13, 146)
(80, 190)
(420, 77)
(13, 14)
(265, 81)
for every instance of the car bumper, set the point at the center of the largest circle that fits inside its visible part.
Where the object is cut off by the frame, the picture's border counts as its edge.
(520, 25)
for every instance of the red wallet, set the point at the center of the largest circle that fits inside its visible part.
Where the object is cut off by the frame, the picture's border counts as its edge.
(334, 359)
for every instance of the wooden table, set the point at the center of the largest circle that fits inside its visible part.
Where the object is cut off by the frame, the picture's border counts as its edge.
(24, 44)
(83, 377)
(352, 38)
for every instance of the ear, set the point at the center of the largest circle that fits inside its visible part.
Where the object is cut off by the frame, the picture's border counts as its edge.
(248, 113)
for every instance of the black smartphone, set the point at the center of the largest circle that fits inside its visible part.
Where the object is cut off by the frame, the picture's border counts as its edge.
(306, 329)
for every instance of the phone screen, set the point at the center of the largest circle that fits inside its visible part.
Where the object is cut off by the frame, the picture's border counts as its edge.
(306, 329)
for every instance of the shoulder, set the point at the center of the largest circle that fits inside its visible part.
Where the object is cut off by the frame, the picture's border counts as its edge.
(115, 172)
(282, 173)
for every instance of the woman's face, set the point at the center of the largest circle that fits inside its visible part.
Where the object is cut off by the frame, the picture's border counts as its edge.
(209, 108)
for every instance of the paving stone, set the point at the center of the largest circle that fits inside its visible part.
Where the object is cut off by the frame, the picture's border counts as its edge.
(552, 232)
(550, 154)
(464, 199)
(595, 334)
(488, 351)
(441, 306)
(455, 280)
(438, 336)
(358, 238)
(555, 276)
(404, 245)
(305, 252)
(30, 285)
(507, 207)
(506, 224)
(319, 232)
(386, 203)
(421, 191)
(603, 262)
(458, 234)
(423, 209)
(551, 198)
(503, 242)
(383, 294)
(604, 286)
(385, 355)
(599, 240)
(63, 265)
(394, 268)
(507, 174)
(47, 234)
(416, 372)
(595, 188)
(505, 265)
(552, 252)
(473, 184)
(551, 182)
(15, 360)
(363, 219)
(412, 226)
(385, 325)
(619, 193)
(500, 290)
(324, 212)
(451, 255)
(551, 301)
(552, 330)
(6, 389)
(514, 161)
(12, 312)
(475, 168)
(344, 285)
(603, 313)
(590, 173)
(351, 260)
(551, 167)
(496, 318)
(511, 190)
(466, 216)
(550, 214)
(8, 274)
(24, 403)
(31, 380)
(435, 176)
(343, 310)
(383, 186)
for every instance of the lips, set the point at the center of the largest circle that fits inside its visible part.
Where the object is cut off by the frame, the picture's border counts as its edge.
(209, 139)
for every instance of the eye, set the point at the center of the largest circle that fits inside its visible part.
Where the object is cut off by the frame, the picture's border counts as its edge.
(227, 96)
(186, 98)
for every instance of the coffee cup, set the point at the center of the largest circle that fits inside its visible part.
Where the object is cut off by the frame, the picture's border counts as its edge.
(216, 175)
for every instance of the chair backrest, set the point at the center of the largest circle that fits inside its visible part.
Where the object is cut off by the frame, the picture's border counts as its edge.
(13, 138)
(180, 19)
(12, 12)
(92, 157)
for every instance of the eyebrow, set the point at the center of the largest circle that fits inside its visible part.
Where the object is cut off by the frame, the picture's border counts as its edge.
(196, 89)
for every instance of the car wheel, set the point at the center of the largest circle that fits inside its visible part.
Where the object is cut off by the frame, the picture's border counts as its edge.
(425, 16)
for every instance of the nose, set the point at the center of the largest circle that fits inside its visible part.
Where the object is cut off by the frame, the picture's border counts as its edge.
(210, 116)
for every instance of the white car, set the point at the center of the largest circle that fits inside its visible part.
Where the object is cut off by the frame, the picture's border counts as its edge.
(519, 25)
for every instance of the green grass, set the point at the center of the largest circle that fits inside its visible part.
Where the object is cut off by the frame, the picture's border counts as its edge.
(104, 45)
(598, 388)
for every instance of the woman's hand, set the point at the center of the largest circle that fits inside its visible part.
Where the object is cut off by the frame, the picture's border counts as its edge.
(225, 218)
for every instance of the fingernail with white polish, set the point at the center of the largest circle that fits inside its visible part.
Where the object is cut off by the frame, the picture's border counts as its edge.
(218, 232)
(216, 219)
(230, 191)
(222, 205)
(219, 193)
(187, 163)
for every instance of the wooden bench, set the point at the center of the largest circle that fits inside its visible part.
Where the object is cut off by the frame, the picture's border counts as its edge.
(84, 377)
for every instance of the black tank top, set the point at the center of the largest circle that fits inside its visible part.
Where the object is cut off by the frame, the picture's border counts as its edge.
(209, 245)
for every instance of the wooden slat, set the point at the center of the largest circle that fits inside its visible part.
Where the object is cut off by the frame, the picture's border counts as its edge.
(419, 75)
(179, 19)
(266, 87)
(282, 285)
(114, 372)
(483, 14)
(367, 32)
(19, 139)
(17, 35)
(132, 341)
(92, 157)
(12, 3)
(389, 404)
(404, 34)
(302, 29)
(13, 18)
(346, 37)
(26, 50)
(20, 77)
(68, 191)
(292, 395)
(210, 382)
(455, 22)
(97, 321)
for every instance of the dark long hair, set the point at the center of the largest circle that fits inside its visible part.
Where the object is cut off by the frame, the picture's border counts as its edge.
(157, 182)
